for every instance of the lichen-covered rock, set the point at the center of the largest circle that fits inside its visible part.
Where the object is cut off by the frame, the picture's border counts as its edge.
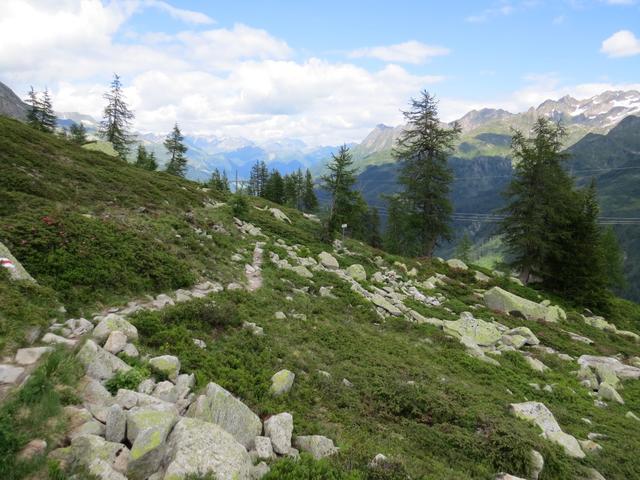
(539, 414)
(457, 264)
(328, 261)
(148, 451)
(104, 471)
(282, 381)
(159, 417)
(317, 445)
(525, 332)
(279, 429)
(302, 271)
(536, 364)
(357, 272)
(115, 342)
(99, 363)
(502, 301)
(116, 424)
(381, 302)
(167, 364)
(219, 406)
(481, 332)
(87, 448)
(263, 448)
(607, 374)
(600, 323)
(112, 323)
(624, 372)
(608, 392)
(198, 447)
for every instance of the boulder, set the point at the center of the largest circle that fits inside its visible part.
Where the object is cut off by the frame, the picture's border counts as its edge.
(608, 392)
(525, 332)
(280, 316)
(381, 302)
(32, 449)
(148, 450)
(112, 323)
(104, 471)
(281, 382)
(263, 448)
(87, 448)
(302, 271)
(317, 445)
(328, 261)
(622, 371)
(53, 339)
(536, 364)
(279, 215)
(357, 272)
(539, 414)
(480, 332)
(606, 374)
(167, 364)
(29, 356)
(130, 350)
(219, 406)
(481, 277)
(99, 363)
(536, 462)
(198, 447)
(13, 266)
(505, 302)
(279, 429)
(152, 417)
(457, 264)
(600, 323)
(116, 424)
(115, 342)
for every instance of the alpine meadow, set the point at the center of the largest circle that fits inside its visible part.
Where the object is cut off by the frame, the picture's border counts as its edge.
(319, 240)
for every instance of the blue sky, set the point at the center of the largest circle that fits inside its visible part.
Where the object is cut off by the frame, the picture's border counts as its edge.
(325, 72)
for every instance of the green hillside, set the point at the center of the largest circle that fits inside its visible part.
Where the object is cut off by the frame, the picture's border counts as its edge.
(96, 233)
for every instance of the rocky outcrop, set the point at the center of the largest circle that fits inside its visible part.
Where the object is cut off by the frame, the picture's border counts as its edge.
(99, 363)
(539, 414)
(505, 302)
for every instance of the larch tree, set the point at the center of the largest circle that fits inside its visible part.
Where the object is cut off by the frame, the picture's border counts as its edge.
(425, 177)
(78, 133)
(309, 199)
(34, 115)
(48, 117)
(174, 143)
(116, 123)
(339, 182)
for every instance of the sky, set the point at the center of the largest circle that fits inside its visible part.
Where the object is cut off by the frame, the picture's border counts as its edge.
(325, 72)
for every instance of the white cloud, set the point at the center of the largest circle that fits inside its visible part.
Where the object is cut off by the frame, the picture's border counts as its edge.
(620, 2)
(621, 44)
(408, 52)
(504, 9)
(188, 16)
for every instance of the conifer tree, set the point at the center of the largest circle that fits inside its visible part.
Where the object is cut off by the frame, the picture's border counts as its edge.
(117, 119)
(613, 258)
(290, 190)
(274, 188)
(258, 178)
(424, 175)
(537, 196)
(48, 118)
(146, 159)
(78, 133)
(339, 182)
(463, 249)
(219, 181)
(34, 115)
(177, 164)
(309, 199)
(400, 236)
(373, 235)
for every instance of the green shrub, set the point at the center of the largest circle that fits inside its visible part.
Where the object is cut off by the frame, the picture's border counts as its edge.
(239, 205)
(128, 380)
(306, 468)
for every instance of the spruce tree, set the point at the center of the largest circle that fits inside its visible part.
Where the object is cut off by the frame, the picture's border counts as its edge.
(536, 197)
(290, 190)
(463, 249)
(48, 118)
(219, 181)
(258, 178)
(613, 258)
(117, 119)
(146, 159)
(177, 164)
(425, 176)
(339, 182)
(309, 199)
(34, 115)
(78, 133)
(400, 237)
(274, 188)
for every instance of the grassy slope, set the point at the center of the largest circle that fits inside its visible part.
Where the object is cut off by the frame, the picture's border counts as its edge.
(452, 423)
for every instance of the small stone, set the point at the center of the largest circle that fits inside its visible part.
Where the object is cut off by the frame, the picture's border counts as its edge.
(347, 383)
(317, 445)
(589, 446)
(608, 392)
(234, 286)
(536, 364)
(113, 322)
(199, 343)
(10, 374)
(130, 350)
(280, 316)
(456, 264)
(147, 386)
(632, 416)
(357, 272)
(303, 271)
(536, 461)
(379, 461)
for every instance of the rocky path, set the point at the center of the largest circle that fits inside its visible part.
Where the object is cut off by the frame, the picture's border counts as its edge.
(254, 271)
